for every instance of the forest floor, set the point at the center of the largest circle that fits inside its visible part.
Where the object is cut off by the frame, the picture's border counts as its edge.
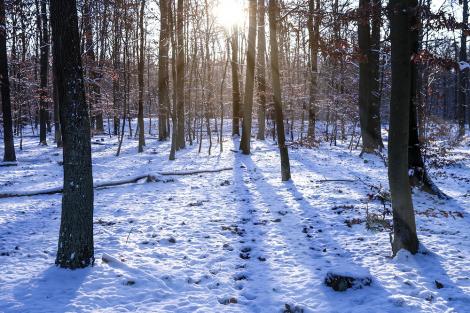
(235, 241)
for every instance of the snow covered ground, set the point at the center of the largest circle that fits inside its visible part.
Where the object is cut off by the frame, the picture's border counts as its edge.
(235, 241)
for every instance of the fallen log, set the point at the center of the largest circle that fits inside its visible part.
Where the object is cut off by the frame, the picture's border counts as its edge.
(106, 184)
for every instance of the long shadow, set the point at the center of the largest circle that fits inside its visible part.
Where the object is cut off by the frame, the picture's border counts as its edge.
(52, 291)
(429, 265)
(315, 259)
(254, 275)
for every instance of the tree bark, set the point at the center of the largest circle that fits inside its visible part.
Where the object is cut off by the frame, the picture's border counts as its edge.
(75, 246)
(276, 81)
(404, 225)
(250, 77)
(9, 145)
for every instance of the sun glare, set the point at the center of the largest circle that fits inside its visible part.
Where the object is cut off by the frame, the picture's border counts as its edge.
(230, 13)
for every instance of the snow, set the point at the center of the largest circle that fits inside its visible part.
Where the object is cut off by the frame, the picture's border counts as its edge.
(239, 240)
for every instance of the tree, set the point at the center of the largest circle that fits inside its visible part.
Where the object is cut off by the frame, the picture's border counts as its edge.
(463, 74)
(235, 85)
(141, 81)
(403, 14)
(314, 38)
(261, 77)
(369, 106)
(75, 246)
(249, 83)
(163, 76)
(276, 81)
(9, 154)
(180, 142)
(418, 175)
(44, 68)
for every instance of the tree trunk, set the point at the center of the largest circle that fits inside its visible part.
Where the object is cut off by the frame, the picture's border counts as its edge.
(261, 77)
(235, 85)
(249, 84)
(163, 76)
(141, 81)
(463, 74)
(9, 153)
(375, 96)
(418, 175)
(313, 25)
(44, 66)
(180, 142)
(276, 81)
(404, 225)
(75, 246)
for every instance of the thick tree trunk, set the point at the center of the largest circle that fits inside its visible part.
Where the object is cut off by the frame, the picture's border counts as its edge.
(163, 76)
(140, 116)
(404, 225)
(276, 81)
(9, 153)
(250, 77)
(75, 246)
(261, 77)
(44, 67)
(180, 142)
(235, 85)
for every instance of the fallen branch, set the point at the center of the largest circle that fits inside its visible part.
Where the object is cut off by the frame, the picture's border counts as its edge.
(101, 185)
(335, 180)
(182, 173)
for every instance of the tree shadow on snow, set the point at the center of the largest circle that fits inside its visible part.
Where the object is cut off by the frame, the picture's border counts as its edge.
(301, 247)
(52, 291)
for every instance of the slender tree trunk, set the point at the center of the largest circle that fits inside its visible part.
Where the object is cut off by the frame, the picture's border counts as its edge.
(375, 96)
(141, 81)
(463, 74)
(75, 246)
(44, 67)
(404, 225)
(261, 77)
(235, 85)
(163, 76)
(250, 77)
(57, 130)
(418, 175)
(276, 81)
(180, 142)
(313, 25)
(9, 153)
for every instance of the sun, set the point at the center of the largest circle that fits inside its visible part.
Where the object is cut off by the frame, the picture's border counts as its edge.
(230, 13)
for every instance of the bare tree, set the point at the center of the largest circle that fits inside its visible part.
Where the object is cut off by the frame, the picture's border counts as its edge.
(75, 247)
(404, 225)
(249, 83)
(9, 154)
(276, 81)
